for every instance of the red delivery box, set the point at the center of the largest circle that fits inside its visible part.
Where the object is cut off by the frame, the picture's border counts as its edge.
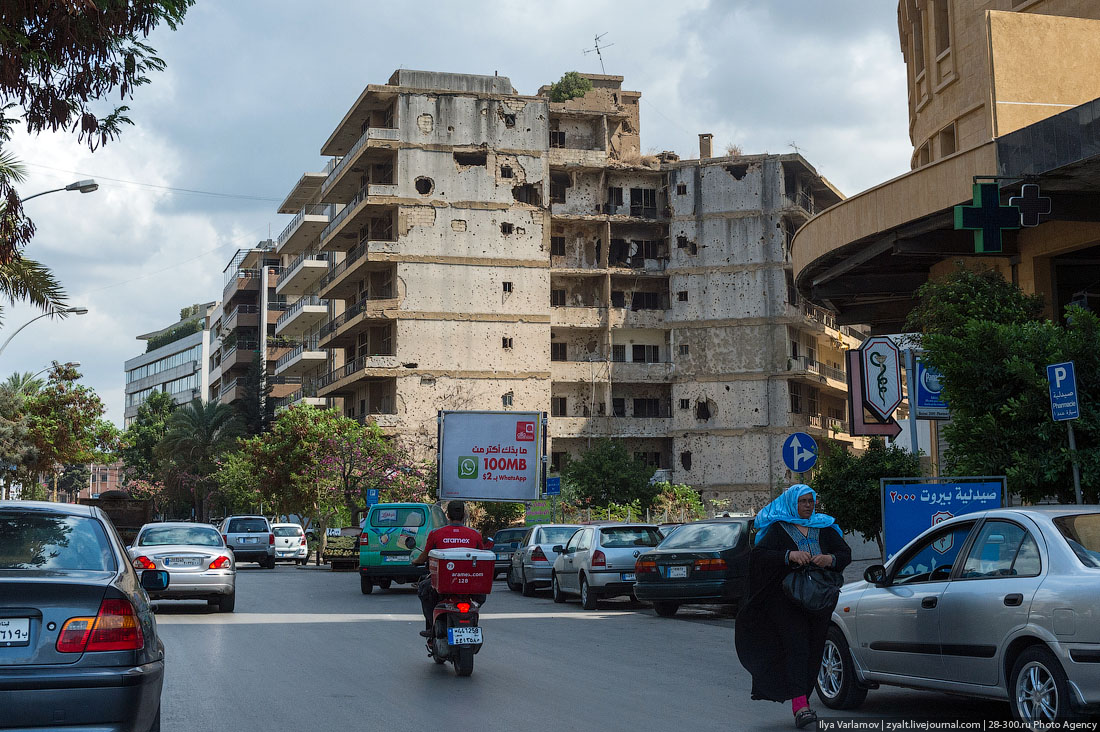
(462, 571)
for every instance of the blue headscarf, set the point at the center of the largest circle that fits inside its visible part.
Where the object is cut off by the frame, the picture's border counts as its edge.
(785, 508)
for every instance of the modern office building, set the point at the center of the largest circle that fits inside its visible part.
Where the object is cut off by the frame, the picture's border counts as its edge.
(469, 247)
(177, 363)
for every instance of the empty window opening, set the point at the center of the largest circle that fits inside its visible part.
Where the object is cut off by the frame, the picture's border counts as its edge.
(683, 349)
(685, 460)
(651, 459)
(614, 198)
(507, 286)
(681, 189)
(557, 246)
(947, 140)
(618, 353)
(682, 296)
(509, 120)
(557, 460)
(649, 301)
(693, 248)
(557, 298)
(506, 343)
(702, 410)
(643, 202)
(473, 157)
(618, 407)
(681, 242)
(618, 299)
(685, 404)
(559, 352)
(507, 228)
(507, 398)
(641, 353)
(647, 407)
(558, 406)
(557, 138)
(528, 193)
(558, 183)
(424, 186)
(506, 171)
(737, 171)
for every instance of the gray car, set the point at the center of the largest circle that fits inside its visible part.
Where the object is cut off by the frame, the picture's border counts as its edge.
(598, 561)
(199, 563)
(998, 604)
(251, 539)
(79, 647)
(533, 560)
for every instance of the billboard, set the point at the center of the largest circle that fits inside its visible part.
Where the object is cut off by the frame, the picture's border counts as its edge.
(490, 456)
(909, 506)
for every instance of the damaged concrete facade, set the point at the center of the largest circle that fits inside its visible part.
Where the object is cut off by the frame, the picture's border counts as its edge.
(472, 248)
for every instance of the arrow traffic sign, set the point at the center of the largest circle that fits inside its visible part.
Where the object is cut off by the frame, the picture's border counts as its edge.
(799, 452)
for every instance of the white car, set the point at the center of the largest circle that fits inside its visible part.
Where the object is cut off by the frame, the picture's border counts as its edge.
(290, 543)
(598, 561)
(200, 565)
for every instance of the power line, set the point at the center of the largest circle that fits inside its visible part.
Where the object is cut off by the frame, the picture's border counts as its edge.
(154, 186)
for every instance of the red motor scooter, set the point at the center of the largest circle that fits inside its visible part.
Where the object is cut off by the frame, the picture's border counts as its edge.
(459, 576)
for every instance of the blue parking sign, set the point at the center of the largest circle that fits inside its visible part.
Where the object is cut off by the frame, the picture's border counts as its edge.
(372, 496)
(1063, 391)
(553, 486)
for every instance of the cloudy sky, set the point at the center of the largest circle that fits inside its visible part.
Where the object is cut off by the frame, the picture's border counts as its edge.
(253, 87)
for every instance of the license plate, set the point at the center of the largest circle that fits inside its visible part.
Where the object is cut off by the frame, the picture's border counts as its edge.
(677, 572)
(503, 555)
(463, 636)
(182, 561)
(628, 576)
(247, 540)
(17, 632)
(386, 558)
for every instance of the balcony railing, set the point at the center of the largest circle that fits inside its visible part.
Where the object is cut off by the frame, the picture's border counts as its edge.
(352, 312)
(371, 133)
(346, 211)
(353, 256)
(346, 370)
(226, 388)
(289, 270)
(821, 315)
(293, 308)
(801, 199)
(240, 310)
(295, 352)
(233, 278)
(312, 209)
(803, 363)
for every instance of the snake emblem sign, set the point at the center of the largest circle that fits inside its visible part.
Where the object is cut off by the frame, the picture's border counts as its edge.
(881, 376)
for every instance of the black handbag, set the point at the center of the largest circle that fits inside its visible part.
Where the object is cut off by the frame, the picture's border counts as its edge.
(814, 589)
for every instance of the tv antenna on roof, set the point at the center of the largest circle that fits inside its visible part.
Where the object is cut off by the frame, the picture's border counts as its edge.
(597, 49)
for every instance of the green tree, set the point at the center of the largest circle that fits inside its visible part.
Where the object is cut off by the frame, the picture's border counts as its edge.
(492, 516)
(16, 449)
(138, 450)
(848, 484)
(946, 305)
(238, 484)
(570, 86)
(608, 473)
(198, 433)
(22, 383)
(74, 478)
(256, 408)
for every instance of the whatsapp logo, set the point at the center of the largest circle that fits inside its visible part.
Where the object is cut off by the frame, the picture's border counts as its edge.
(467, 467)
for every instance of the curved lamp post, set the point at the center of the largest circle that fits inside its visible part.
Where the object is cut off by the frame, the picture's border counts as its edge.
(59, 311)
(84, 186)
(67, 364)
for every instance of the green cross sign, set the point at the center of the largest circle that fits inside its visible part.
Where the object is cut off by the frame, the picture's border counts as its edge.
(987, 218)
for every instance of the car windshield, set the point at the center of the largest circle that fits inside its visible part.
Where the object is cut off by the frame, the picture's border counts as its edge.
(397, 517)
(287, 531)
(247, 526)
(704, 536)
(507, 537)
(1082, 532)
(555, 534)
(45, 541)
(621, 537)
(193, 535)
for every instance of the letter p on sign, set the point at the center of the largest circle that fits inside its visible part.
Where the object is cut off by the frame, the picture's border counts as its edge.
(1059, 376)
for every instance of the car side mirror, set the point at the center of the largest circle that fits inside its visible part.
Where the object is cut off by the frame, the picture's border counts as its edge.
(154, 580)
(875, 574)
(559, 549)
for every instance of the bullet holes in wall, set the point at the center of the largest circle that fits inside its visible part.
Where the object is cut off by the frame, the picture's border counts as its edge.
(424, 186)
(425, 123)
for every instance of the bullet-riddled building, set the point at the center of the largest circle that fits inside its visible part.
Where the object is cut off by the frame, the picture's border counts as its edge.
(468, 247)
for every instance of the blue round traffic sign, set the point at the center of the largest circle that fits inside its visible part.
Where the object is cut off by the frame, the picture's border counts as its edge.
(799, 452)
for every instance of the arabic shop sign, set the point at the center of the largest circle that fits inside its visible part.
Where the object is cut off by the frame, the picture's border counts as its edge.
(492, 456)
(909, 508)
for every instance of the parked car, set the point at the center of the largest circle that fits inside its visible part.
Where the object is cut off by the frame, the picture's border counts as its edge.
(701, 562)
(75, 620)
(290, 543)
(196, 558)
(533, 560)
(998, 604)
(598, 561)
(504, 542)
(251, 539)
(394, 534)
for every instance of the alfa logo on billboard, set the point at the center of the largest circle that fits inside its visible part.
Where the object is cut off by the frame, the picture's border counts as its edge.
(525, 431)
(467, 467)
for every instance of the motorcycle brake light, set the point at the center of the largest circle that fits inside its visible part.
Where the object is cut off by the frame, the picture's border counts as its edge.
(463, 607)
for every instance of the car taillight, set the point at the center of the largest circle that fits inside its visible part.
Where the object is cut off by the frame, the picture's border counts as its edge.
(598, 559)
(143, 562)
(271, 539)
(115, 628)
(463, 607)
(225, 539)
(710, 565)
(645, 566)
(302, 540)
(538, 555)
(219, 563)
(364, 539)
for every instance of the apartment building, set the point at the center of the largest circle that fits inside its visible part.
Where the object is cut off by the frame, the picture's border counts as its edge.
(472, 248)
(177, 365)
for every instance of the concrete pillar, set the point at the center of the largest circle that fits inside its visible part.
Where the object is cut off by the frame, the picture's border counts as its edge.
(705, 139)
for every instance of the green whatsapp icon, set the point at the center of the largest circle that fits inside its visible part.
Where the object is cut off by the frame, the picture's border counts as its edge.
(467, 467)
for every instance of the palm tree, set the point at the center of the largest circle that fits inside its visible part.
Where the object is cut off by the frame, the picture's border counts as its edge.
(197, 434)
(22, 382)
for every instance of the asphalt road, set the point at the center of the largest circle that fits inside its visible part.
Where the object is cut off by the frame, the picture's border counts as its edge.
(306, 651)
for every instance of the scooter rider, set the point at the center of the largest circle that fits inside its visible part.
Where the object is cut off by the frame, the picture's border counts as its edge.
(452, 536)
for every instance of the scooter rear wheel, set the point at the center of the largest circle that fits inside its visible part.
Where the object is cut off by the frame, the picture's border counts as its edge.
(464, 661)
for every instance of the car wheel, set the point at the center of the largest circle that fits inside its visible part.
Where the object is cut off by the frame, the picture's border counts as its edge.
(226, 603)
(555, 589)
(836, 678)
(384, 584)
(1037, 690)
(666, 609)
(366, 585)
(511, 580)
(588, 596)
(527, 588)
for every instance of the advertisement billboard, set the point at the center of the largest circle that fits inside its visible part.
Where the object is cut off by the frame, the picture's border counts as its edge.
(490, 456)
(909, 506)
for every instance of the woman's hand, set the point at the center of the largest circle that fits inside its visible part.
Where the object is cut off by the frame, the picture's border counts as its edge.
(798, 558)
(822, 560)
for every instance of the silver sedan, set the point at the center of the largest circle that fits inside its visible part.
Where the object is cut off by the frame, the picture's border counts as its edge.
(199, 563)
(998, 604)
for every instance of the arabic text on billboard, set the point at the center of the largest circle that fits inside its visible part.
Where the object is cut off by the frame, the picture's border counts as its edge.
(490, 456)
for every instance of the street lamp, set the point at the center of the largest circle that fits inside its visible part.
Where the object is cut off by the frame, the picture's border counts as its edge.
(67, 364)
(84, 186)
(58, 311)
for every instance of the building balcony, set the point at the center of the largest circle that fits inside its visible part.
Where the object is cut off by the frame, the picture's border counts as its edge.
(346, 171)
(640, 372)
(305, 190)
(242, 280)
(567, 157)
(342, 233)
(566, 427)
(345, 379)
(300, 359)
(304, 228)
(300, 396)
(629, 318)
(578, 317)
(302, 316)
(369, 312)
(303, 274)
(236, 356)
(242, 316)
(801, 202)
(818, 373)
(578, 371)
(829, 426)
(341, 282)
(231, 391)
